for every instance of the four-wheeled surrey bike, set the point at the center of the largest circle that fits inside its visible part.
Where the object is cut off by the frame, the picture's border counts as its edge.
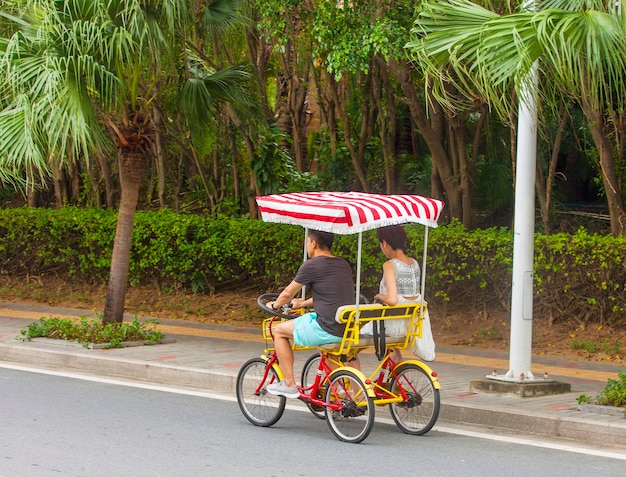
(333, 390)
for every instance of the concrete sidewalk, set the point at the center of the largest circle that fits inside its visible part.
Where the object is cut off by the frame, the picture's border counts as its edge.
(208, 357)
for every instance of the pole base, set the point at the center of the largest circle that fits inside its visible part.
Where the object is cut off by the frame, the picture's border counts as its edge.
(525, 388)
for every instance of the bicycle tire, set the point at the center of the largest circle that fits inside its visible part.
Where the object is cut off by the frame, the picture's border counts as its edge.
(309, 371)
(418, 413)
(260, 408)
(355, 420)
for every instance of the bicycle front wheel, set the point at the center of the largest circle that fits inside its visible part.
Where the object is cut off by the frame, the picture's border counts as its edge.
(260, 407)
(419, 411)
(309, 371)
(354, 420)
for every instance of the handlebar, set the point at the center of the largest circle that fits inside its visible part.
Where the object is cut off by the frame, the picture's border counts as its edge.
(283, 312)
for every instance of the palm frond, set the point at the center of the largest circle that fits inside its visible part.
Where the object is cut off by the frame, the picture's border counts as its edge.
(467, 50)
(228, 84)
(220, 15)
(199, 94)
(21, 148)
(445, 36)
(196, 100)
(586, 52)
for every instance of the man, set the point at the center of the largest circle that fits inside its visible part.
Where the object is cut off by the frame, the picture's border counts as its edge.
(331, 285)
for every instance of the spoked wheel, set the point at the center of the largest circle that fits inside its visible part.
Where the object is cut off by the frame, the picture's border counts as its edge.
(418, 413)
(354, 421)
(308, 377)
(260, 407)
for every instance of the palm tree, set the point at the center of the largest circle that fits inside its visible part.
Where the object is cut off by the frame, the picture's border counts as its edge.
(81, 75)
(579, 45)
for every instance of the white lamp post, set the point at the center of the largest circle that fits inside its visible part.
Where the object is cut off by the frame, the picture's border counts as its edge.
(524, 235)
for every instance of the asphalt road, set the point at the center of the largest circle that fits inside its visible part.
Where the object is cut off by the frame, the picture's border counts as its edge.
(54, 425)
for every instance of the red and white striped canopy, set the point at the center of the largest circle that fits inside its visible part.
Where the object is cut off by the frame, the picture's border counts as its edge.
(348, 212)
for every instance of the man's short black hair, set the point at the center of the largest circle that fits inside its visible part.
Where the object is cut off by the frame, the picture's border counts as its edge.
(324, 239)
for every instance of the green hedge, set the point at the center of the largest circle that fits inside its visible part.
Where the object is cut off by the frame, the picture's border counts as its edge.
(169, 249)
(579, 278)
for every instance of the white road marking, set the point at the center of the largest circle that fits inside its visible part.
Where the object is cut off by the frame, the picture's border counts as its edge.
(535, 441)
(120, 382)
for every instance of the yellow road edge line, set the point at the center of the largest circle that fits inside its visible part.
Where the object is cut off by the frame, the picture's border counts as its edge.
(503, 365)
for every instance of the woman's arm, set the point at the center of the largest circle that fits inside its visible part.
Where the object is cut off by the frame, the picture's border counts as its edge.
(389, 272)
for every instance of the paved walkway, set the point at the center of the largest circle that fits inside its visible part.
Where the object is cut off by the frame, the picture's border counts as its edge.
(208, 357)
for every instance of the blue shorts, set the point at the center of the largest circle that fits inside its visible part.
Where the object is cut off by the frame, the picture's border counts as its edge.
(308, 332)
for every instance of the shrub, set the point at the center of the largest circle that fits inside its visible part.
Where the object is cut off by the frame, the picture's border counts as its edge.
(88, 331)
(614, 394)
(578, 278)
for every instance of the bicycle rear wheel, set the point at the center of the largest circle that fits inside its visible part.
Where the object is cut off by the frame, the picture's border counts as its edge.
(354, 421)
(260, 407)
(309, 371)
(418, 413)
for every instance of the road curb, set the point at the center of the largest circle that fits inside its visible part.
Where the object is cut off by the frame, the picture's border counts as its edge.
(571, 426)
(161, 373)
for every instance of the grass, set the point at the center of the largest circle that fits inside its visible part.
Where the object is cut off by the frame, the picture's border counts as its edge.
(488, 333)
(87, 331)
(604, 346)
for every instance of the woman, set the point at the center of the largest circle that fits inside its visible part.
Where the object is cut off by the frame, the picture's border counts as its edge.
(400, 284)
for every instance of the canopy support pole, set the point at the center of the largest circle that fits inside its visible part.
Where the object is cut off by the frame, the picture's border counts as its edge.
(358, 274)
(305, 257)
(423, 275)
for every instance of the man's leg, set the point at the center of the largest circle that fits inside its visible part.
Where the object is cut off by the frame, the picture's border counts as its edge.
(287, 387)
(282, 334)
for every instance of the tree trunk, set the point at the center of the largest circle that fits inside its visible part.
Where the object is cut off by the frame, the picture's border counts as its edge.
(132, 169)
(387, 121)
(327, 112)
(478, 140)
(459, 144)
(252, 183)
(296, 100)
(32, 196)
(60, 184)
(432, 134)
(356, 163)
(96, 200)
(235, 167)
(283, 118)
(107, 177)
(612, 187)
(545, 184)
(160, 154)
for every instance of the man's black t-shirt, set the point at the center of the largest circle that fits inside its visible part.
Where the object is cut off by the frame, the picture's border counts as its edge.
(330, 280)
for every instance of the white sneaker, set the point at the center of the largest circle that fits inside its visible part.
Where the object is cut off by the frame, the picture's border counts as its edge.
(281, 389)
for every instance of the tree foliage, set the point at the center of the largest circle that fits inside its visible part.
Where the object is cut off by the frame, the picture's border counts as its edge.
(579, 48)
(200, 106)
(326, 97)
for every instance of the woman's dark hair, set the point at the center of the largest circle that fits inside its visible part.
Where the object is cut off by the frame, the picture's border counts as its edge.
(323, 239)
(394, 235)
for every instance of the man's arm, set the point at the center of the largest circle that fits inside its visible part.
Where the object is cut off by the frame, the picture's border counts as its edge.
(287, 295)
